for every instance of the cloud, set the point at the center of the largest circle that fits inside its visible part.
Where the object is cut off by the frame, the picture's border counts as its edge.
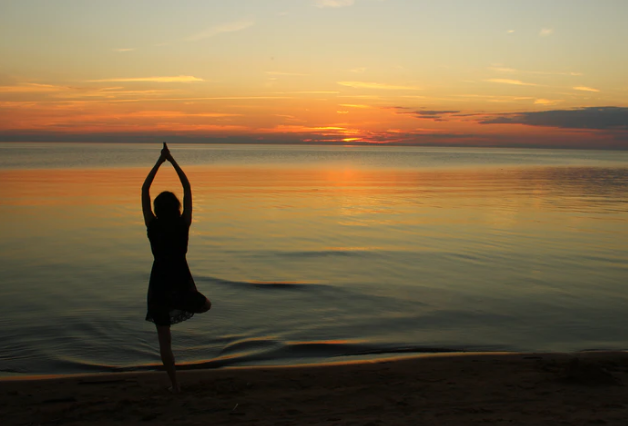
(110, 93)
(547, 101)
(124, 49)
(226, 98)
(285, 73)
(503, 69)
(509, 81)
(546, 32)
(586, 89)
(369, 85)
(512, 71)
(32, 88)
(173, 79)
(291, 128)
(435, 115)
(358, 70)
(179, 114)
(598, 118)
(219, 29)
(355, 106)
(510, 31)
(18, 104)
(435, 112)
(334, 3)
(495, 98)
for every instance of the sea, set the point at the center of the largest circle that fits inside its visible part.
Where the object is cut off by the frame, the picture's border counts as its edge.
(313, 254)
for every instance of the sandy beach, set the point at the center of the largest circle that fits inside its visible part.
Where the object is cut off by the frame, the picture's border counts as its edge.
(499, 389)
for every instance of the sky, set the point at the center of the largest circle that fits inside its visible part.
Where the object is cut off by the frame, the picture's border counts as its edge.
(520, 73)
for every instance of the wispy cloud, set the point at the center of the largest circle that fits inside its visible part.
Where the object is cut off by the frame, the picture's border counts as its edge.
(281, 73)
(32, 88)
(124, 49)
(217, 98)
(19, 104)
(334, 3)
(170, 79)
(290, 128)
(310, 92)
(355, 106)
(509, 81)
(503, 69)
(176, 114)
(370, 85)
(434, 115)
(111, 93)
(547, 101)
(361, 96)
(358, 70)
(510, 31)
(585, 89)
(229, 27)
(508, 70)
(228, 98)
(494, 98)
(546, 32)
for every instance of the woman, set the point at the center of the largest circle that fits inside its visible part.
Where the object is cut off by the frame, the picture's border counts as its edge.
(172, 294)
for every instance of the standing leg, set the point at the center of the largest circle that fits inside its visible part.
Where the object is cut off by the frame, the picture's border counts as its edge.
(167, 357)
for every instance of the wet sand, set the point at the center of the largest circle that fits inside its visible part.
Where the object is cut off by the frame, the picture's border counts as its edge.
(498, 389)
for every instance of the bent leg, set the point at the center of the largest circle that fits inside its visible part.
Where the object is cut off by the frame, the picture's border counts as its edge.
(206, 306)
(167, 357)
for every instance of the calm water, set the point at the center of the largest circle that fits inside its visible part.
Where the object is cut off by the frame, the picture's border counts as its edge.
(312, 254)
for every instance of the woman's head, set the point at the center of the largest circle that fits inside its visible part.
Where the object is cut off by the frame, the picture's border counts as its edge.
(167, 206)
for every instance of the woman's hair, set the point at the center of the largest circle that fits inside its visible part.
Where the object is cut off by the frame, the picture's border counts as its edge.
(167, 206)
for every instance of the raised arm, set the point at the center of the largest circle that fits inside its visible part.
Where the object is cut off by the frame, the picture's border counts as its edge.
(146, 207)
(187, 189)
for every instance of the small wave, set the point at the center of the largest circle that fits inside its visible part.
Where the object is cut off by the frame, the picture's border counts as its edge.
(321, 253)
(271, 352)
(284, 285)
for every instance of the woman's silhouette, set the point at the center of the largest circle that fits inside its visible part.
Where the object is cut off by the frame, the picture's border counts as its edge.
(172, 294)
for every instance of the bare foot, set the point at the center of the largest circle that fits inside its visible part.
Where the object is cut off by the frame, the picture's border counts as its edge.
(173, 389)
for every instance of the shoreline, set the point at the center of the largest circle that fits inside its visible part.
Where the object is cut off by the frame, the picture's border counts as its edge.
(218, 365)
(215, 364)
(454, 388)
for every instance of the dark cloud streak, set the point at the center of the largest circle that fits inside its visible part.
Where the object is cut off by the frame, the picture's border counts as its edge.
(595, 118)
(424, 114)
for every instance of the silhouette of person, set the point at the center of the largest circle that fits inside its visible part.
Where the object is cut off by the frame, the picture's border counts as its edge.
(172, 294)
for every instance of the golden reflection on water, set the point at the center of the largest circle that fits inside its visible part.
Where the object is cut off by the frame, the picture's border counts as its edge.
(399, 255)
(344, 209)
(500, 193)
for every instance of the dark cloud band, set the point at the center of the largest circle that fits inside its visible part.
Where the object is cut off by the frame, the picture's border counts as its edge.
(599, 118)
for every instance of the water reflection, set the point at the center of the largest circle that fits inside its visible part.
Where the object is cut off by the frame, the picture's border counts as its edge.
(95, 186)
(447, 258)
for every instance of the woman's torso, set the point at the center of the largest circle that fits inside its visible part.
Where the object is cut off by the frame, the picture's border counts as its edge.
(169, 244)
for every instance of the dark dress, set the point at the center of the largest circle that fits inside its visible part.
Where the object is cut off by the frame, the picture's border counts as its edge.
(172, 294)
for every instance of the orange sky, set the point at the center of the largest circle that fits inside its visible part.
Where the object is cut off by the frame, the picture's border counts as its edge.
(525, 73)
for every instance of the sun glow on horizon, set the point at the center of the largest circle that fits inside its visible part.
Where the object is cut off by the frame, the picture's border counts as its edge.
(234, 78)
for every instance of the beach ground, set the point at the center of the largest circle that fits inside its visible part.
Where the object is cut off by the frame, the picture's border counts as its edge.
(496, 389)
